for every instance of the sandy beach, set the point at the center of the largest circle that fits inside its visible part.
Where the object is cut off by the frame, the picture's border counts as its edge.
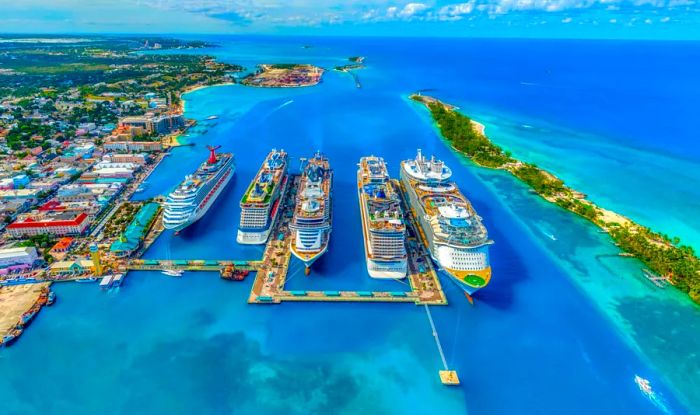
(15, 301)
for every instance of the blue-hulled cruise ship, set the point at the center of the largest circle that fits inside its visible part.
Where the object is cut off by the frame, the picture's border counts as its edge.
(194, 196)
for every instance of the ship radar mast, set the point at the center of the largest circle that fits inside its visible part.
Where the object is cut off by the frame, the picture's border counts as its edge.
(212, 154)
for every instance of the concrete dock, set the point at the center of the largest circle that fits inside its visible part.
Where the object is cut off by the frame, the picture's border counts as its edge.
(271, 271)
(269, 284)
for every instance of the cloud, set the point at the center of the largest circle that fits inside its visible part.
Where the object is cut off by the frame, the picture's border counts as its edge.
(456, 11)
(412, 9)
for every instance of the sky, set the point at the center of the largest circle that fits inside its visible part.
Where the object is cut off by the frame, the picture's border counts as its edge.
(628, 19)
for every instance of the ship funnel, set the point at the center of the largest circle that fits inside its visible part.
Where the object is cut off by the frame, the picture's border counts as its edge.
(212, 154)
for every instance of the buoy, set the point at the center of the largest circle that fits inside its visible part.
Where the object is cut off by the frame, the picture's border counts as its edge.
(307, 271)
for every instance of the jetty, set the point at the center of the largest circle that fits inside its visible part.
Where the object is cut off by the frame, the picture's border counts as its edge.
(271, 271)
(188, 265)
(269, 284)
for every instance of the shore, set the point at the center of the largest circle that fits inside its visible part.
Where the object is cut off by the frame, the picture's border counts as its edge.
(677, 264)
(16, 300)
(193, 88)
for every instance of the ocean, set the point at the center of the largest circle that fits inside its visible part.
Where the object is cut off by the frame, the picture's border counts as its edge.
(564, 326)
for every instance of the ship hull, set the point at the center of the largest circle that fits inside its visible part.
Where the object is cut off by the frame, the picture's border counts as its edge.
(253, 238)
(384, 271)
(445, 257)
(379, 269)
(200, 212)
(309, 258)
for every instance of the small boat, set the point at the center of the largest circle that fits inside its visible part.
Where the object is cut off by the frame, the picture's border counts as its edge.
(212, 117)
(106, 282)
(172, 272)
(51, 299)
(644, 385)
(27, 317)
(117, 280)
(86, 279)
(10, 337)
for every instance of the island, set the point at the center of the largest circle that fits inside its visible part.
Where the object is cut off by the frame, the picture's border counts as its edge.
(284, 75)
(356, 63)
(667, 260)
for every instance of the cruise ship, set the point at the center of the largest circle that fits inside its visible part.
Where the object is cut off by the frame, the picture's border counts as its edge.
(311, 224)
(194, 196)
(383, 226)
(260, 204)
(456, 238)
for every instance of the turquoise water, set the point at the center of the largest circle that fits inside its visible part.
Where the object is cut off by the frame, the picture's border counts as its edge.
(561, 329)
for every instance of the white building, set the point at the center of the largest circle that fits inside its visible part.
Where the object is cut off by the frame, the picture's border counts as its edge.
(10, 257)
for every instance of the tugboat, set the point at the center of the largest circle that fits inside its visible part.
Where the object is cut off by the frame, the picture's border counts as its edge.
(229, 272)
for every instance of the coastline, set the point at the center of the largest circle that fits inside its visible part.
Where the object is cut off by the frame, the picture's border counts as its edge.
(17, 300)
(664, 256)
(194, 88)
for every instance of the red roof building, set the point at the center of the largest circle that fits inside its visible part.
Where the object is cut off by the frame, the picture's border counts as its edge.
(53, 223)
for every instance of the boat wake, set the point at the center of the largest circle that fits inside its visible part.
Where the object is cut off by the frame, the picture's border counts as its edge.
(277, 108)
(646, 389)
(283, 105)
(548, 235)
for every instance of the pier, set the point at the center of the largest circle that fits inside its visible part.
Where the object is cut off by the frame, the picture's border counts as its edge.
(271, 271)
(269, 284)
(447, 376)
(188, 265)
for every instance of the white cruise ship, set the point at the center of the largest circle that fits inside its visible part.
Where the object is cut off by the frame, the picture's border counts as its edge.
(194, 196)
(260, 204)
(452, 230)
(311, 224)
(383, 227)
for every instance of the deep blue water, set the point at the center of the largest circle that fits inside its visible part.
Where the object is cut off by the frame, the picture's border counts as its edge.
(559, 330)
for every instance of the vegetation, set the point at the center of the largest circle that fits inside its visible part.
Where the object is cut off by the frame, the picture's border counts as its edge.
(663, 255)
(541, 181)
(42, 241)
(459, 130)
(103, 61)
(284, 65)
(121, 218)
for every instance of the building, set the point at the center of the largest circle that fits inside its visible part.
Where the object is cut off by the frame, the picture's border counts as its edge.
(166, 124)
(17, 259)
(72, 268)
(52, 223)
(62, 246)
(161, 124)
(143, 122)
(19, 194)
(136, 158)
(132, 237)
(134, 146)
